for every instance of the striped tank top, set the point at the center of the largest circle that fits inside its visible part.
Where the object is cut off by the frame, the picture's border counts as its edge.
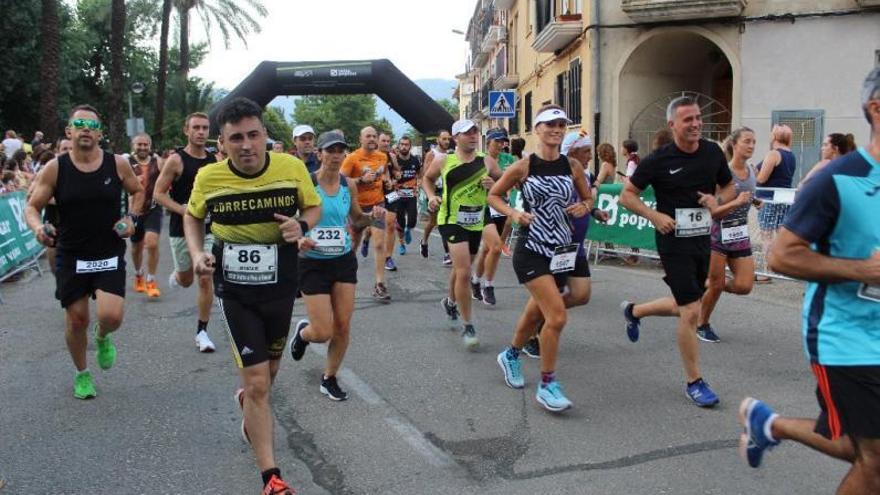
(547, 191)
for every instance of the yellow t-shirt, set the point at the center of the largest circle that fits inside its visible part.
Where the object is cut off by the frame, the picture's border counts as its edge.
(242, 207)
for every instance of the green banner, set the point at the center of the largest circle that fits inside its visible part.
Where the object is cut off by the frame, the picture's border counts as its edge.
(17, 242)
(624, 228)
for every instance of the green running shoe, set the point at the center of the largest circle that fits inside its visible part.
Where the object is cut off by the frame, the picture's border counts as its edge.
(106, 351)
(83, 387)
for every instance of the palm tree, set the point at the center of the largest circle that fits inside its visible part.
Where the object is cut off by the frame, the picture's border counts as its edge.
(117, 83)
(50, 67)
(231, 18)
(163, 71)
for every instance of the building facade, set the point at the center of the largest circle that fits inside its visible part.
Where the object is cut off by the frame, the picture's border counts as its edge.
(748, 62)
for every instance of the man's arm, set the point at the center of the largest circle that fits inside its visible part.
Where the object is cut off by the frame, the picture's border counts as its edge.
(791, 255)
(630, 200)
(42, 192)
(170, 172)
(431, 175)
(492, 167)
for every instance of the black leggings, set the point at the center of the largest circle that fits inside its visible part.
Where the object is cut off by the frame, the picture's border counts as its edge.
(407, 210)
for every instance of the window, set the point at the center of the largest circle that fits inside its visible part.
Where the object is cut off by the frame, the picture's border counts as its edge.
(807, 129)
(513, 122)
(577, 6)
(544, 13)
(527, 111)
(560, 95)
(574, 91)
(511, 63)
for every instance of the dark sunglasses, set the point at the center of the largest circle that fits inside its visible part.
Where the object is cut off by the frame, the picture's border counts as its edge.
(85, 124)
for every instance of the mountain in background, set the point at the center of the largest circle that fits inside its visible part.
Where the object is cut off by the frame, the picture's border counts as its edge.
(437, 89)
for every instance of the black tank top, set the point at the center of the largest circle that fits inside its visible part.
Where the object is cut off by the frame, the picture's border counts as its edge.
(182, 187)
(89, 205)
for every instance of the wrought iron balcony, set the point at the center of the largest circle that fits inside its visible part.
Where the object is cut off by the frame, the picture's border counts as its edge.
(682, 10)
(495, 35)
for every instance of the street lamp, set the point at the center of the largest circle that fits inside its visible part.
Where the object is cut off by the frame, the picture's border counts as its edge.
(458, 31)
(132, 126)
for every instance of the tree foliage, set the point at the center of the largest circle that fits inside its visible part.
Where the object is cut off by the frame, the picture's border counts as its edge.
(449, 105)
(349, 113)
(278, 128)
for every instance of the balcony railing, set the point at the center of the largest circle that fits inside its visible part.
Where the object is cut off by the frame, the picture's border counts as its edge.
(681, 10)
(558, 33)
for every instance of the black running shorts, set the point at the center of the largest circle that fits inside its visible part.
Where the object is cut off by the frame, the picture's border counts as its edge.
(498, 222)
(454, 234)
(317, 276)
(71, 286)
(686, 275)
(849, 397)
(151, 222)
(529, 265)
(258, 330)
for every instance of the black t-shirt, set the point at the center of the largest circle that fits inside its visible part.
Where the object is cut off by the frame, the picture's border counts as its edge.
(677, 177)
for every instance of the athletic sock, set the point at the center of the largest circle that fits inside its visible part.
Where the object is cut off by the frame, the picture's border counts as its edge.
(267, 474)
(84, 371)
(488, 283)
(547, 377)
(695, 381)
(475, 279)
(139, 273)
(150, 277)
(203, 327)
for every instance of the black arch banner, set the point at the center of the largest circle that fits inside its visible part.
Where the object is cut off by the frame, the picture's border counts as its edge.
(379, 77)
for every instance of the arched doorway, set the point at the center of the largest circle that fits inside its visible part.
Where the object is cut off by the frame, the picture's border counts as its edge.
(670, 63)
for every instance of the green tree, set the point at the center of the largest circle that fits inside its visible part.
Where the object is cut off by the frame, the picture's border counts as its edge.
(50, 39)
(162, 75)
(278, 128)
(349, 113)
(449, 105)
(117, 78)
(19, 89)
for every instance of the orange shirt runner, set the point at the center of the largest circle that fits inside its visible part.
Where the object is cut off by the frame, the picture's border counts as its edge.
(357, 164)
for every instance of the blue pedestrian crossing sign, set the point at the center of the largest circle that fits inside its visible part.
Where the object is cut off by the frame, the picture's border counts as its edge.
(501, 104)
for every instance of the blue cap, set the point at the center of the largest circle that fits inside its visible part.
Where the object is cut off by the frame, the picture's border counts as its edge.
(497, 135)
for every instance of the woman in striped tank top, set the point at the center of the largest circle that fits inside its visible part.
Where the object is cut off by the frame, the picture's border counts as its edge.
(545, 256)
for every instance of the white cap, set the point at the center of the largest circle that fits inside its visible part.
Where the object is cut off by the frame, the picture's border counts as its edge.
(302, 129)
(550, 115)
(574, 140)
(462, 125)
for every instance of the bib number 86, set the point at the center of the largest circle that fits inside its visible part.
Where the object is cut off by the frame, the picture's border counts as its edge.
(245, 256)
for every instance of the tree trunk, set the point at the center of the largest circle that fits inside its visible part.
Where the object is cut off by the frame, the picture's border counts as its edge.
(116, 117)
(183, 73)
(163, 73)
(49, 122)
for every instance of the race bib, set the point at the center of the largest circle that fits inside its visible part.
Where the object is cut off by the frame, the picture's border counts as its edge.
(495, 213)
(692, 222)
(330, 240)
(250, 264)
(392, 197)
(870, 292)
(93, 266)
(734, 229)
(469, 215)
(564, 258)
(406, 193)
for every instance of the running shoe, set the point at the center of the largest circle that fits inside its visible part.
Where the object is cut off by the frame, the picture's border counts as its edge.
(532, 348)
(423, 248)
(330, 388)
(476, 293)
(401, 250)
(447, 261)
(239, 399)
(632, 323)
(172, 281)
(757, 419)
(297, 343)
(204, 342)
(450, 308)
(552, 398)
(512, 370)
(277, 486)
(489, 295)
(469, 337)
(106, 350)
(707, 334)
(505, 250)
(389, 265)
(407, 236)
(153, 290)
(139, 284)
(365, 248)
(380, 292)
(83, 386)
(701, 394)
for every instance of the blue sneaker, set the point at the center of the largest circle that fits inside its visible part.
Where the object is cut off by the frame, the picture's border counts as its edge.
(707, 334)
(407, 236)
(551, 397)
(632, 323)
(389, 265)
(701, 394)
(401, 249)
(365, 248)
(512, 372)
(756, 417)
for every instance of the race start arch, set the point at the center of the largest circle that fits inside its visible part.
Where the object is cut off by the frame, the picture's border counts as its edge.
(379, 77)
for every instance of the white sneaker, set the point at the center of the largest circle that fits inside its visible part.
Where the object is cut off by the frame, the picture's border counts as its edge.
(172, 281)
(204, 342)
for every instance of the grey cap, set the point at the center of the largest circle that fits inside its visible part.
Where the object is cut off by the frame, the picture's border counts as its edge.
(871, 86)
(329, 138)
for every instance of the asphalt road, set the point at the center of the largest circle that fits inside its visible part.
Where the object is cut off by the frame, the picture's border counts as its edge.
(425, 416)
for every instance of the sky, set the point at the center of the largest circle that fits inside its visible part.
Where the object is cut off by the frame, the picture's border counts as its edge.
(416, 35)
